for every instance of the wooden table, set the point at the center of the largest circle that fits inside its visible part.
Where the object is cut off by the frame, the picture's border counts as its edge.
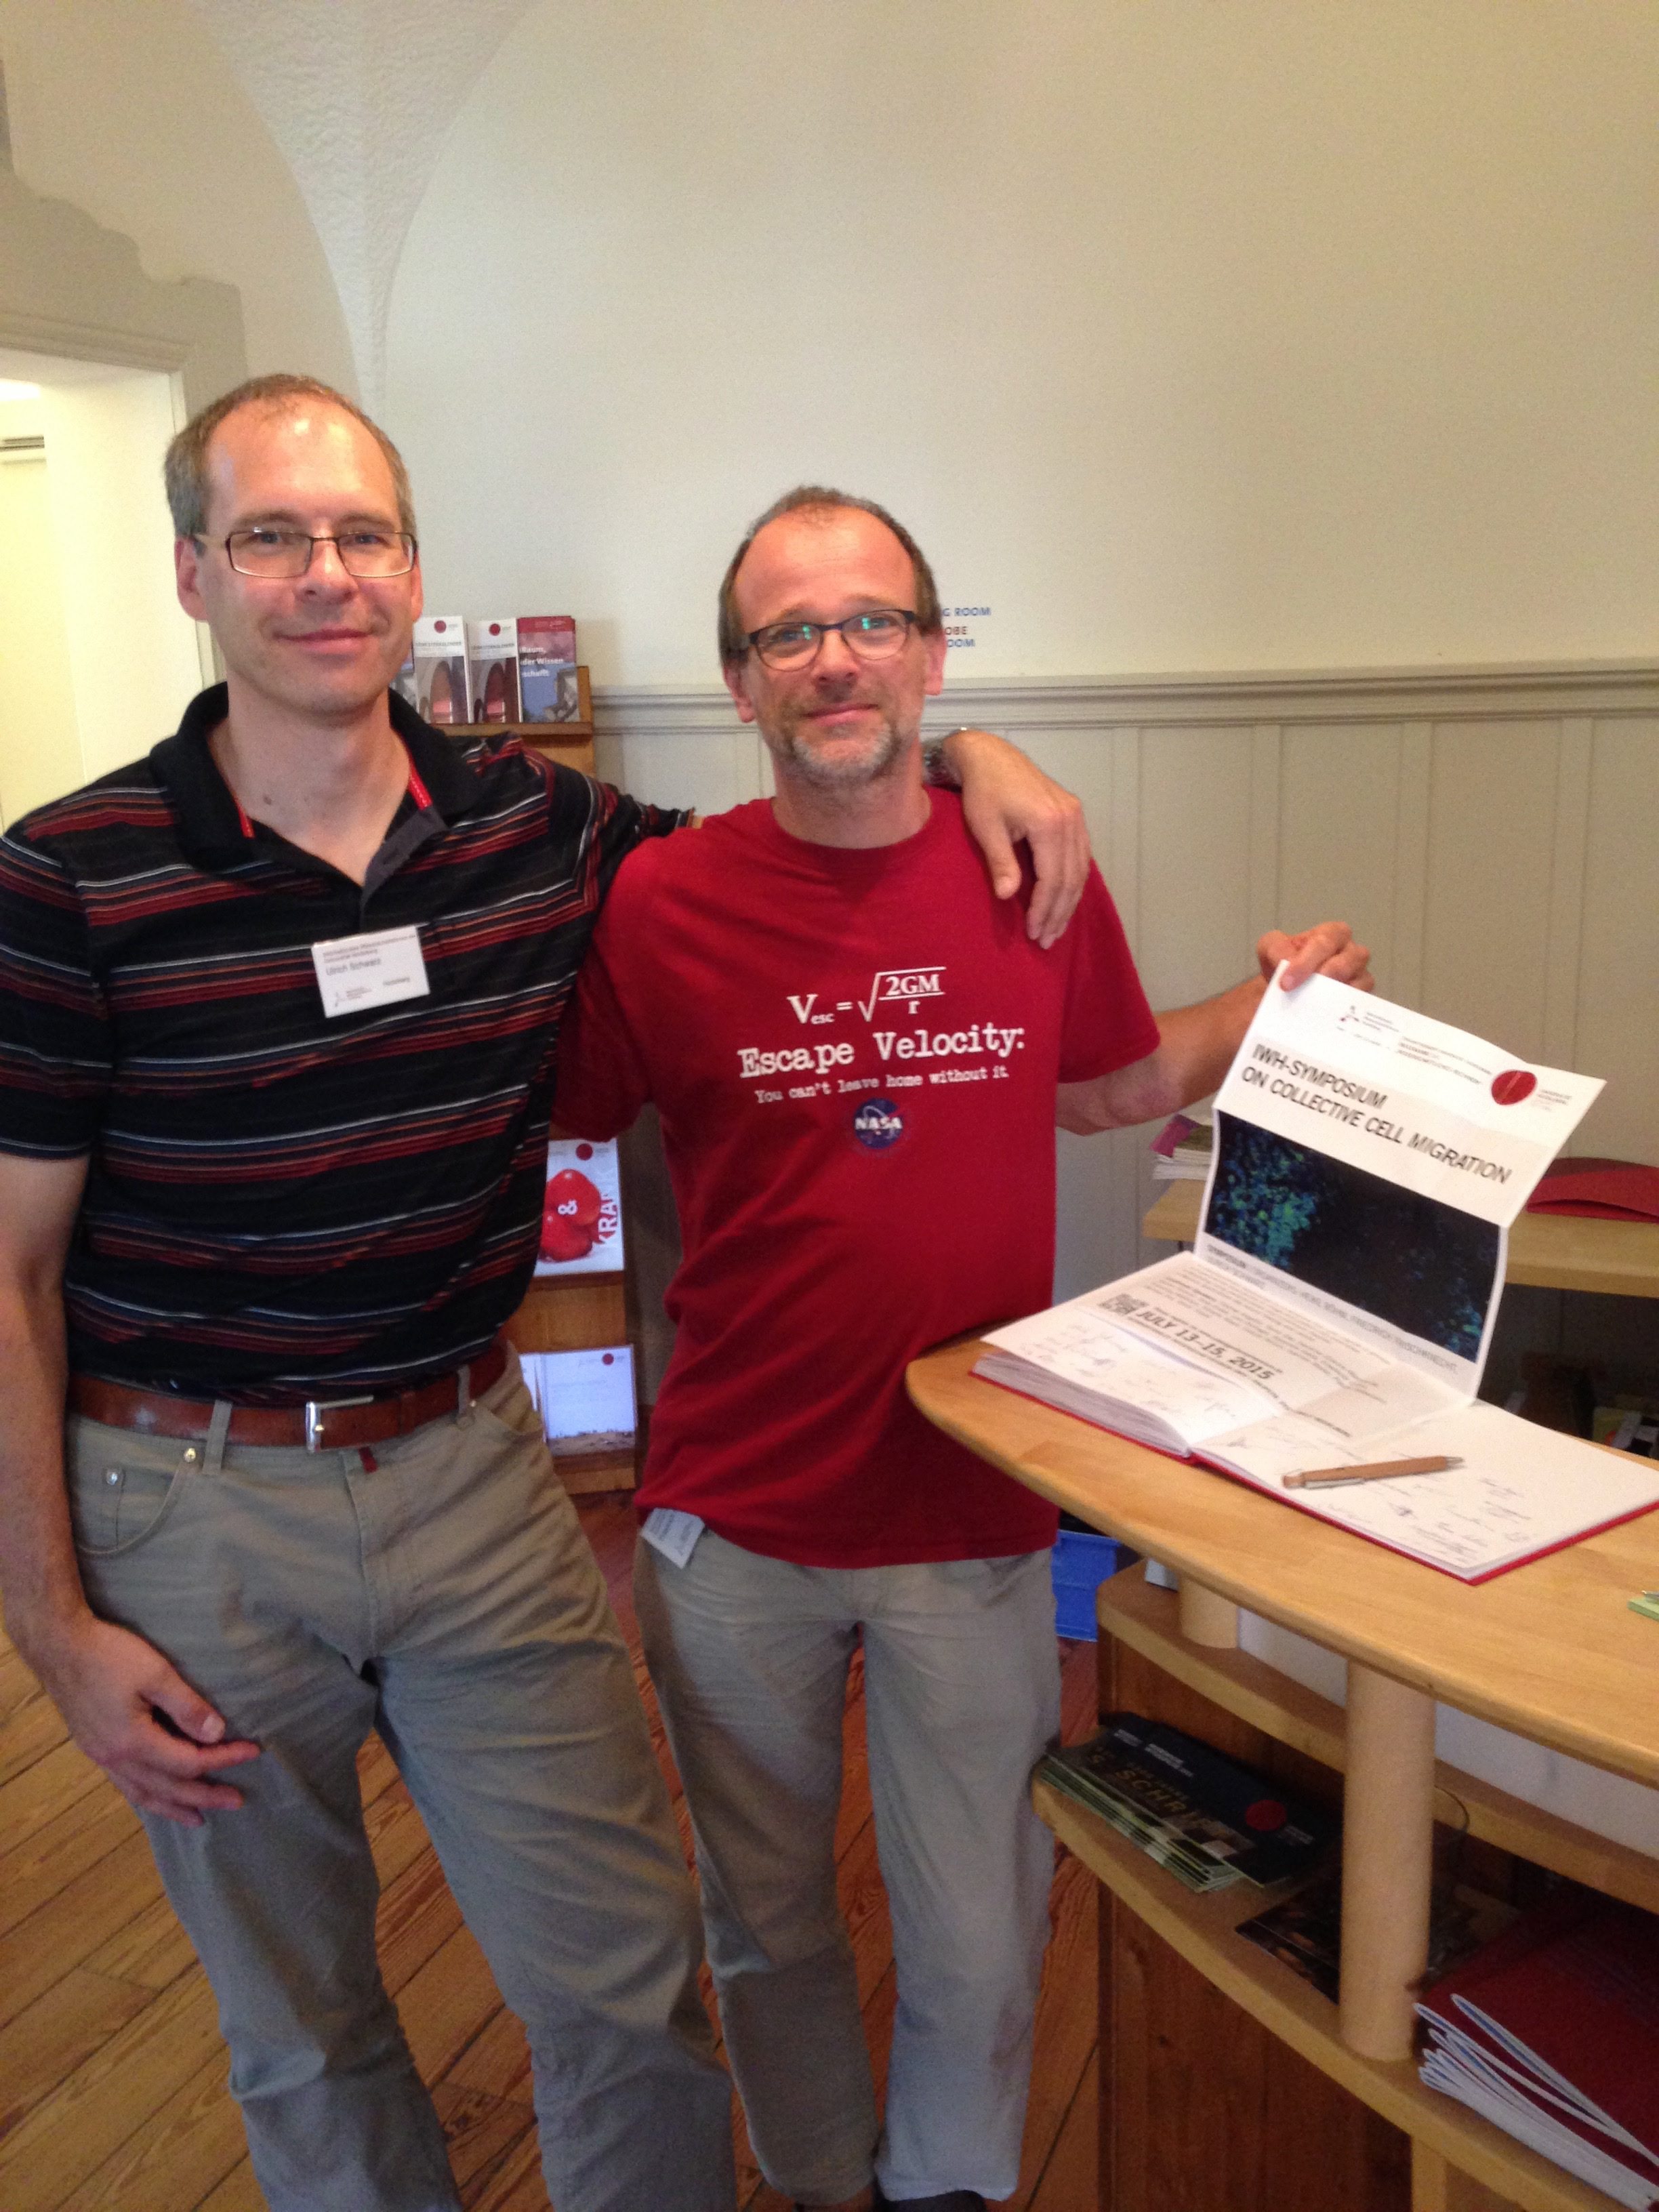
(1550, 1649)
(1549, 1251)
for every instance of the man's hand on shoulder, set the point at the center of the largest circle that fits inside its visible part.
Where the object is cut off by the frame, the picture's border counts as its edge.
(111, 1686)
(1005, 799)
(1328, 949)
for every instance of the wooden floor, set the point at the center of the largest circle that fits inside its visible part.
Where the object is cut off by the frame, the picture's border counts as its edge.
(113, 2094)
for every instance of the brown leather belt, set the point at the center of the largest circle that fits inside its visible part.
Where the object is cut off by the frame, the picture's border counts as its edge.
(320, 1424)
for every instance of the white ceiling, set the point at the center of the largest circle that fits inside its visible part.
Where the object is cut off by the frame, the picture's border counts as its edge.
(359, 95)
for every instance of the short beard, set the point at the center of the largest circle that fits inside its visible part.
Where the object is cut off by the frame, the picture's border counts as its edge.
(841, 770)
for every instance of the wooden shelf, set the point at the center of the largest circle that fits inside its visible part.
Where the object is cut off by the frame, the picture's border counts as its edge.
(584, 1473)
(1550, 1649)
(1202, 1929)
(1547, 1251)
(574, 1313)
(547, 736)
(1145, 1619)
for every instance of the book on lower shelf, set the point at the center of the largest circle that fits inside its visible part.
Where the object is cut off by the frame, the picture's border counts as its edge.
(1337, 1308)
(1303, 1931)
(1551, 2033)
(1207, 1820)
(1181, 1151)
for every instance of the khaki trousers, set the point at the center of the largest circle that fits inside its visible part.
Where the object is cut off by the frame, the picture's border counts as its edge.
(447, 1597)
(962, 1697)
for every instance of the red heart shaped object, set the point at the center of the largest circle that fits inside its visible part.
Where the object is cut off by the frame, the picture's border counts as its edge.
(570, 1216)
(574, 1197)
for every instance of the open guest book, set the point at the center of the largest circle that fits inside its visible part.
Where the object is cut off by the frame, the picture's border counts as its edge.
(1337, 1308)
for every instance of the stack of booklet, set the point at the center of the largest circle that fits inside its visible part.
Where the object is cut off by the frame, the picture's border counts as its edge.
(1551, 2033)
(1210, 1821)
(1181, 1150)
(1336, 1311)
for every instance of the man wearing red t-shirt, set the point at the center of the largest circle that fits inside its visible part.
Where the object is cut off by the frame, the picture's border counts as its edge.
(857, 1053)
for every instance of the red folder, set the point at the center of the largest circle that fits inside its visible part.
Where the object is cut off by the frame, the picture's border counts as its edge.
(1609, 1190)
(1577, 1985)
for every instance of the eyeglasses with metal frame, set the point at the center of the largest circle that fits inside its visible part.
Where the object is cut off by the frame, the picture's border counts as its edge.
(876, 634)
(370, 554)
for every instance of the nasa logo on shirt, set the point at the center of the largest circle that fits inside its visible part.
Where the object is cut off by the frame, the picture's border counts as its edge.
(877, 1124)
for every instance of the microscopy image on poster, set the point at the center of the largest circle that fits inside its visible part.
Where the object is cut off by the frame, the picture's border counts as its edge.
(1426, 1268)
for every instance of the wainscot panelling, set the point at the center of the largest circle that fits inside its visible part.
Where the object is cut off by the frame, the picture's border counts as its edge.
(1492, 833)
(1616, 994)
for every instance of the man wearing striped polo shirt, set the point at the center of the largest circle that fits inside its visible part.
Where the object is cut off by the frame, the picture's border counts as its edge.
(277, 1012)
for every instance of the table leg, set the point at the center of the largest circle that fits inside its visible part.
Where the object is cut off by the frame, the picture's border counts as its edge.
(1388, 1840)
(1207, 1618)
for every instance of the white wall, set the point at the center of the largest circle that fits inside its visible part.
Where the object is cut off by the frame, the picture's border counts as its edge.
(1189, 337)
(134, 656)
(128, 109)
(40, 742)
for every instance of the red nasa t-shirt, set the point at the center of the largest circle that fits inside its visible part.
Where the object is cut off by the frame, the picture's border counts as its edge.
(854, 1056)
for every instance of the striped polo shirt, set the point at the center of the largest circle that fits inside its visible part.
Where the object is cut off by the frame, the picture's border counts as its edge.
(280, 1205)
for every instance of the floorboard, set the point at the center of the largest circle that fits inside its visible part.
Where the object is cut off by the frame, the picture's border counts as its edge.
(112, 2073)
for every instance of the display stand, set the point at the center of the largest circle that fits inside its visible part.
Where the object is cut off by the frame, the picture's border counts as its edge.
(588, 1312)
(1550, 1650)
(570, 742)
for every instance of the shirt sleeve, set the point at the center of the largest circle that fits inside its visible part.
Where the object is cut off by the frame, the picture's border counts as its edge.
(617, 825)
(56, 1045)
(1107, 1023)
(603, 1080)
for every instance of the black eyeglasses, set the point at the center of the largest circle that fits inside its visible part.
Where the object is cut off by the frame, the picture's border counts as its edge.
(368, 554)
(876, 634)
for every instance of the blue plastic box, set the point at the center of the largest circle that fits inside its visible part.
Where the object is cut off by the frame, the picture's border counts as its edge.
(1082, 1562)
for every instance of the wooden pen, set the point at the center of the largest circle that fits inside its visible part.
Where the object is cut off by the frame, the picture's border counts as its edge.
(1382, 1470)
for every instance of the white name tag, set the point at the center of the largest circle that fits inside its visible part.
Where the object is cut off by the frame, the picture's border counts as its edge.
(671, 1533)
(374, 969)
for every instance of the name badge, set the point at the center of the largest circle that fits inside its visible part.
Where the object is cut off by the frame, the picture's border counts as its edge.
(670, 1532)
(374, 969)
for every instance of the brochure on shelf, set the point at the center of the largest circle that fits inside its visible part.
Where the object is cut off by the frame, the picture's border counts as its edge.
(582, 1214)
(439, 656)
(492, 670)
(1337, 1308)
(547, 668)
(586, 1399)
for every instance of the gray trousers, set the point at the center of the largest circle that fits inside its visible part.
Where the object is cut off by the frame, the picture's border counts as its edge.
(447, 1597)
(962, 1696)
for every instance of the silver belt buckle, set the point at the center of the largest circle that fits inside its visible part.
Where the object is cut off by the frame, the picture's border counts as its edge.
(315, 1409)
